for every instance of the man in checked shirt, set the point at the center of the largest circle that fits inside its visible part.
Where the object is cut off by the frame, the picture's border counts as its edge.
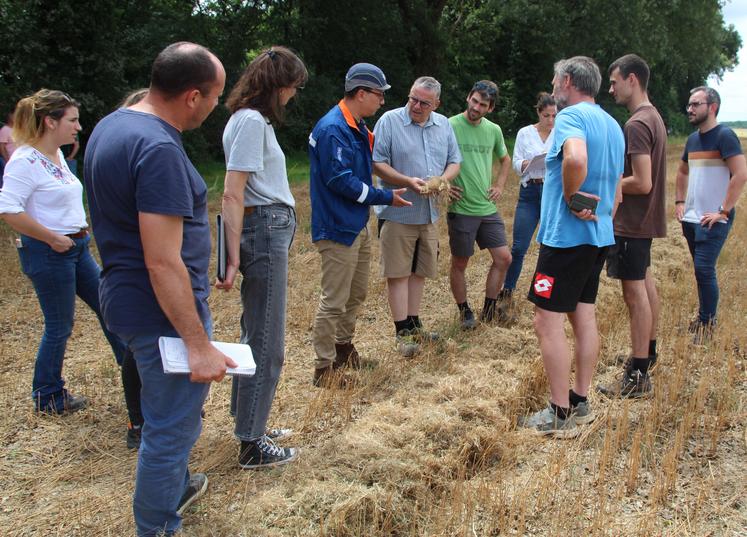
(413, 145)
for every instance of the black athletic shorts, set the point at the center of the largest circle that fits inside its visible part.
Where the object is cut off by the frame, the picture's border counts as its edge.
(566, 276)
(629, 258)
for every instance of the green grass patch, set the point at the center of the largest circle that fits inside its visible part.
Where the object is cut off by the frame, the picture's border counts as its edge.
(214, 172)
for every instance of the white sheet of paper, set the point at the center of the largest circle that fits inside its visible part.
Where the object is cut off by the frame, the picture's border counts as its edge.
(536, 166)
(174, 356)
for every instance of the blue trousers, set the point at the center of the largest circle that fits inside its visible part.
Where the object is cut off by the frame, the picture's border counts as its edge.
(265, 240)
(171, 406)
(526, 219)
(705, 246)
(57, 278)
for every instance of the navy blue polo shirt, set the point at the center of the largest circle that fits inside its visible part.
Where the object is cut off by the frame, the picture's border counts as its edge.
(135, 162)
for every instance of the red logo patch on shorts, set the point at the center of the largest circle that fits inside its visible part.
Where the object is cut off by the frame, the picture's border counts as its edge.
(543, 285)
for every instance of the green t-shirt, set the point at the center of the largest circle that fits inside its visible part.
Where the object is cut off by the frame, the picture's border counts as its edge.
(479, 145)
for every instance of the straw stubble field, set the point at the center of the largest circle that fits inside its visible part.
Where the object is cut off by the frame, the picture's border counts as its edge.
(421, 447)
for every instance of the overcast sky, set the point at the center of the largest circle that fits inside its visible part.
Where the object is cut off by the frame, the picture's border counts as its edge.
(733, 88)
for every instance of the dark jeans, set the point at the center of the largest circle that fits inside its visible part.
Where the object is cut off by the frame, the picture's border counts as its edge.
(525, 223)
(705, 246)
(57, 279)
(265, 240)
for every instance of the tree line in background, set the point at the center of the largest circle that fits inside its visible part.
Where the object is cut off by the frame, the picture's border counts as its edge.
(99, 51)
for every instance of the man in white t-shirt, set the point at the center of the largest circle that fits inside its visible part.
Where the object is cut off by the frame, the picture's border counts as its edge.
(710, 180)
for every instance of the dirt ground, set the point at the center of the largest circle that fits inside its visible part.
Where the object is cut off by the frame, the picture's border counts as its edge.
(421, 447)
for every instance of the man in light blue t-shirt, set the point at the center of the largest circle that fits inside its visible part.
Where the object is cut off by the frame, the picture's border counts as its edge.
(581, 191)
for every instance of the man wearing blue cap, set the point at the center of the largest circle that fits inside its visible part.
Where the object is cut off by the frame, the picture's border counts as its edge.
(341, 193)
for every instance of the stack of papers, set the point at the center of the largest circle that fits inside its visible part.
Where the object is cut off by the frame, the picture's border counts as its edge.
(174, 356)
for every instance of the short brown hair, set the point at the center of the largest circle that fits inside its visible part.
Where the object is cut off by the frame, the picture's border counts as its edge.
(183, 66)
(275, 68)
(632, 63)
(28, 124)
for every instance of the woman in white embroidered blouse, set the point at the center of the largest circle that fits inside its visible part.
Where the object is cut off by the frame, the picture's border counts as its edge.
(42, 200)
(531, 141)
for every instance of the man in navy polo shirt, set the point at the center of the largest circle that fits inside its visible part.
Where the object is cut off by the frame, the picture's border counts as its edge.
(341, 195)
(149, 213)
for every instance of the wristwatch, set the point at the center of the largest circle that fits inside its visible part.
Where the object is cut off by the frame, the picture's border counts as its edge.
(723, 211)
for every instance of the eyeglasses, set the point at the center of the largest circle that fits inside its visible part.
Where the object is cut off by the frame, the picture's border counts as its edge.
(695, 104)
(379, 94)
(421, 102)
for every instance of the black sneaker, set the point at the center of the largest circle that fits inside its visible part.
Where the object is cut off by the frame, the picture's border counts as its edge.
(467, 319)
(134, 434)
(70, 403)
(198, 484)
(632, 383)
(263, 453)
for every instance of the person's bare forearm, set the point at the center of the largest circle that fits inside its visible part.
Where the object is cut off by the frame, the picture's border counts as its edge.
(24, 224)
(574, 167)
(161, 237)
(233, 213)
(500, 171)
(392, 176)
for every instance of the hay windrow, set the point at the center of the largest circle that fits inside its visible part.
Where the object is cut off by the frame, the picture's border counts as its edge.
(421, 447)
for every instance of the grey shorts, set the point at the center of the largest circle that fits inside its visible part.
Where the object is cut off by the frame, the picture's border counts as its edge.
(488, 231)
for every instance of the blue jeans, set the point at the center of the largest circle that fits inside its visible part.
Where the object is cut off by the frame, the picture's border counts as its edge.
(525, 222)
(171, 406)
(57, 278)
(705, 246)
(265, 240)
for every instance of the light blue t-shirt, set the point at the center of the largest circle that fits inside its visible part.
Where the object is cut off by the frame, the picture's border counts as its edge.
(605, 148)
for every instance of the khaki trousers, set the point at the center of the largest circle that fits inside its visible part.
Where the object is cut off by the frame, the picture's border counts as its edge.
(344, 286)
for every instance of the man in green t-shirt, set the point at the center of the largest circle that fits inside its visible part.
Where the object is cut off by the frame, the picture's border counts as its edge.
(473, 216)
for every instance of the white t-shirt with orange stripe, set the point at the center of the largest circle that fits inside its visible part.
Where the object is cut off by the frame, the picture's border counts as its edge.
(709, 176)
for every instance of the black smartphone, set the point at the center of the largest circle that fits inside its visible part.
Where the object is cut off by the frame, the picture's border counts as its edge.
(579, 202)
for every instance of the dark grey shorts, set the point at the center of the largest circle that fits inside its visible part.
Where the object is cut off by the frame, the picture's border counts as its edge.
(464, 231)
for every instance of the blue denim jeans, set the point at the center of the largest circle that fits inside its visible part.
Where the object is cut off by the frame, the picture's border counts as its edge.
(525, 223)
(705, 246)
(171, 406)
(57, 278)
(265, 240)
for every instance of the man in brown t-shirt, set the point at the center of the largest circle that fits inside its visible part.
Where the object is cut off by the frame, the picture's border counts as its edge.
(639, 219)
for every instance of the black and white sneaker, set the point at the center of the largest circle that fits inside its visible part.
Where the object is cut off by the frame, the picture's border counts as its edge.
(198, 484)
(263, 453)
(276, 435)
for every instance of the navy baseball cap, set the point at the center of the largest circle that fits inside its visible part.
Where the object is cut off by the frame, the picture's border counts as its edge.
(366, 75)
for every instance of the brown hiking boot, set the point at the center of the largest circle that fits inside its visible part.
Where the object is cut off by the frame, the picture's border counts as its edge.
(347, 356)
(328, 377)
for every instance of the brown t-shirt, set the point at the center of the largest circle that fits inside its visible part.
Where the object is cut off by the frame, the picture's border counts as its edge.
(643, 216)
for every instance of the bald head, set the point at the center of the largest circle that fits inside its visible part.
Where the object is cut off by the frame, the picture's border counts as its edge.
(184, 66)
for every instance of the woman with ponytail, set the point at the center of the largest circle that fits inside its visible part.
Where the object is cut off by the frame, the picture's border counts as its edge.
(42, 201)
(260, 221)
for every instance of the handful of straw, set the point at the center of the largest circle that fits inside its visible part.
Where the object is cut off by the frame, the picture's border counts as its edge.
(437, 187)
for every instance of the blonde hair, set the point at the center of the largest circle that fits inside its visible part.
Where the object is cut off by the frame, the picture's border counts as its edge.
(28, 124)
(133, 98)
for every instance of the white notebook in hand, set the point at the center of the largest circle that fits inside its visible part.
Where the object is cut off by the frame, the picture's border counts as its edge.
(174, 356)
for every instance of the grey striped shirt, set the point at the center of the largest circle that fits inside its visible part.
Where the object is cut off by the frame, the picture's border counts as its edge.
(414, 151)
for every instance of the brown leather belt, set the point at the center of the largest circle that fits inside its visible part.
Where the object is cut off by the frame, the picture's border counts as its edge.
(79, 235)
(249, 210)
(535, 181)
